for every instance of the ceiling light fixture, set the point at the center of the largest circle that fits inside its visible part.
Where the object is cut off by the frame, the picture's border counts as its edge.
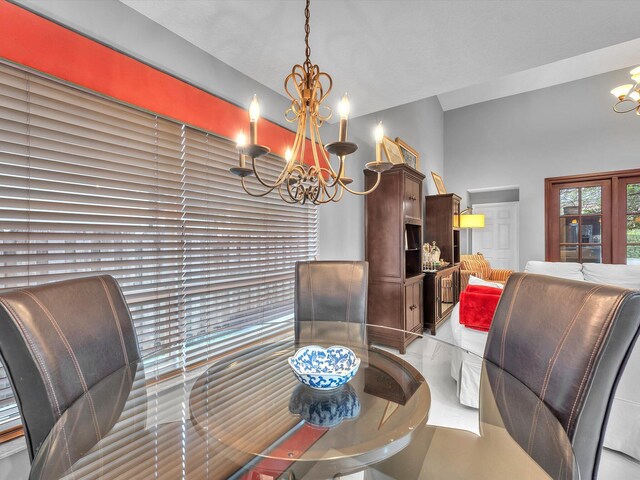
(628, 95)
(314, 180)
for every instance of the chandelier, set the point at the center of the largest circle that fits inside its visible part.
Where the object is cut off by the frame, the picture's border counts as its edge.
(312, 179)
(628, 95)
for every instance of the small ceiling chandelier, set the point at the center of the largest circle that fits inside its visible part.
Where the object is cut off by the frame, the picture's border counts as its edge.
(314, 180)
(628, 95)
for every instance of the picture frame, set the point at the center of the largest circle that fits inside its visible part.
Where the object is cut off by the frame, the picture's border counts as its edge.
(437, 179)
(392, 151)
(409, 154)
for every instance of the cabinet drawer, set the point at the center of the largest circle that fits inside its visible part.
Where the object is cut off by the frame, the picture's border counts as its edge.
(412, 202)
(413, 307)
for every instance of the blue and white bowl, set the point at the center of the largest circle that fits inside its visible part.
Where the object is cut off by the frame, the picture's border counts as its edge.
(324, 368)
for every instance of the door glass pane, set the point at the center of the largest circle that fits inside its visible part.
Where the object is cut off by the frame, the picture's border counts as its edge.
(633, 229)
(633, 198)
(591, 200)
(569, 201)
(591, 230)
(569, 253)
(569, 230)
(592, 254)
(633, 254)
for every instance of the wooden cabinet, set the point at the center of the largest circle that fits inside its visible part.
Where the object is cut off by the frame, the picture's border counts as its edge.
(442, 288)
(393, 242)
(441, 293)
(442, 225)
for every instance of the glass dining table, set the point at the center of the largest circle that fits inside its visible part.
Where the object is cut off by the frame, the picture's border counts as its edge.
(240, 413)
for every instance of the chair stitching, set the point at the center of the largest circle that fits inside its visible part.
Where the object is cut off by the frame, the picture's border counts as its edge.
(72, 356)
(508, 319)
(116, 317)
(597, 348)
(40, 364)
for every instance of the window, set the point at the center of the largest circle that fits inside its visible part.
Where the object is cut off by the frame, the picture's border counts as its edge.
(594, 218)
(88, 185)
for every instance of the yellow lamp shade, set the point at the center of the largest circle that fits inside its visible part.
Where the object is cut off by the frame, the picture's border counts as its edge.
(635, 74)
(634, 96)
(472, 220)
(621, 91)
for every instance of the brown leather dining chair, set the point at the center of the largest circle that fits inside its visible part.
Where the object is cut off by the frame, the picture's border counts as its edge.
(568, 342)
(555, 353)
(57, 341)
(327, 292)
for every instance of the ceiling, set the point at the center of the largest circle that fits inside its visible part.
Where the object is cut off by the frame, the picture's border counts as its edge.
(390, 52)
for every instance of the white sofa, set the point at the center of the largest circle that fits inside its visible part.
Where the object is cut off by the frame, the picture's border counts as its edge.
(623, 430)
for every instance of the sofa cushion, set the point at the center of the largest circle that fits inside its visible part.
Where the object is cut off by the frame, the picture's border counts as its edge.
(568, 270)
(626, 276)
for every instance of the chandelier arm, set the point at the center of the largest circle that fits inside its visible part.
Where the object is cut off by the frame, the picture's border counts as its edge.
(327, 159)
(276, 184)
(244, 187)
(337, 195)
(334, 185)
(620, 102)
(354, 192)
(298, 144)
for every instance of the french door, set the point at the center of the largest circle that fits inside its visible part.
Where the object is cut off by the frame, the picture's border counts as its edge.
(594, 218)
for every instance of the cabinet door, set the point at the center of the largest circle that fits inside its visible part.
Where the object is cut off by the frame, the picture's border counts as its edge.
(413, 303)
(412, 199)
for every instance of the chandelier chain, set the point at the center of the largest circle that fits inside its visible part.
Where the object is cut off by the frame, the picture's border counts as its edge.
(307, 29)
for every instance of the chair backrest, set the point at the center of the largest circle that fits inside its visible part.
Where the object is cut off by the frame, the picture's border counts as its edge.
(330, 291)
(57, 341)
(476, 263)
(568, 342)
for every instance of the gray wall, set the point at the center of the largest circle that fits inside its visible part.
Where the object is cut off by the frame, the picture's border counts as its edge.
(420, 124)
(521, 140)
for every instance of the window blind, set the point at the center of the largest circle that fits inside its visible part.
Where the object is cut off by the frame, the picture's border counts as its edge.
(90, 186)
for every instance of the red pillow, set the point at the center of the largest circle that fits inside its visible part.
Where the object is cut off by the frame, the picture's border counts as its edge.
(478, 305)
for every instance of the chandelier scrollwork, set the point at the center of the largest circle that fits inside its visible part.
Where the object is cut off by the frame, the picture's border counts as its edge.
(313, 179)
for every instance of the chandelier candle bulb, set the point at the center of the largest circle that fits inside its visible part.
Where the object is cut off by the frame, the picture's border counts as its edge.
(254, 114)
(288, 156)
(343, 111)
(241, 141)
(379, 135)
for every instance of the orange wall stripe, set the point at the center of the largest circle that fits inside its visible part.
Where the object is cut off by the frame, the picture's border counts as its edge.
(38, 43)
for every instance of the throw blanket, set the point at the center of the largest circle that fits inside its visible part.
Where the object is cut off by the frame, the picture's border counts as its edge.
(477, 306)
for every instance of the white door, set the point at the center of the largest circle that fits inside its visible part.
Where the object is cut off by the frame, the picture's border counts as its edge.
(498, 240)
